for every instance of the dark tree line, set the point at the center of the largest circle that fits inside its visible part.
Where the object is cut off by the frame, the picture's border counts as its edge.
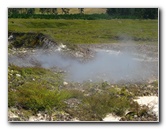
(21, 11)
(111, 13)
(41, 10)
(48, 11)
(143, 13)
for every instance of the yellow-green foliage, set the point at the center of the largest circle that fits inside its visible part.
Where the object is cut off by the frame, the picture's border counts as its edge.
(33, 74)
(96, 106)
(89, 31)
(37, 97)
(34, 88)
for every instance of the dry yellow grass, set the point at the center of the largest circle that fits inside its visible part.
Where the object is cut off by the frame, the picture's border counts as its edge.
(94, 10)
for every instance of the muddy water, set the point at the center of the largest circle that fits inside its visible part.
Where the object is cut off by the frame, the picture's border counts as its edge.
(108, 64)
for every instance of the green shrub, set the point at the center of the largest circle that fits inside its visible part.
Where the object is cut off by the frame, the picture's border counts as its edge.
(12, 98)
(33, 74)
(37, 97)
(96, 106)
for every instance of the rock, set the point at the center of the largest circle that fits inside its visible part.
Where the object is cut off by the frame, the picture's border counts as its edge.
(62, 46)
(59, 49)
(65, 83)
(18, 75)
(75, 119)
(79, 54)
(13, 117)
(150, 101)
(10, 37)
(150, 86)
(39, 117)
(111, 117)
(32, 118)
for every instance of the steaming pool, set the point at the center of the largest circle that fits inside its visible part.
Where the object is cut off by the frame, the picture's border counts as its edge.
(110, 65)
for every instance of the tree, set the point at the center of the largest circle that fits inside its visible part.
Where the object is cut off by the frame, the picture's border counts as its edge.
(65, 10)
(30, 11)
(111, 11)
(141, 13)
(13, 11)
(81, 10)
(151, 13)
(54, 11)
(48, 10)
(42, 10)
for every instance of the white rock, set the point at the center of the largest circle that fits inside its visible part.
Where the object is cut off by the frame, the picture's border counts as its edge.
(59, 49)
(150, 86)
(18, 75)
(150, 101)
(79, 54)
(75, 119)
(12, 115)
(111, 117)
(24, 51)
(62, 46)
(10, 37)
(65, 83)
(32, 118)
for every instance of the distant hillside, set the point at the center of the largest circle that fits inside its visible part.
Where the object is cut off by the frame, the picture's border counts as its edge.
(76, 10)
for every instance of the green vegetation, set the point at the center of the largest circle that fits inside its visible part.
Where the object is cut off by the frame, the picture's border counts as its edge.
(18, 76)
(34, 90)
(89, 31)
(37, 97)
(62, 16)
(96, 106)
(27, 40)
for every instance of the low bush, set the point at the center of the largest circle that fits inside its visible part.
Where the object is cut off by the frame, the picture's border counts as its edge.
(33, 74)
(96, 106)
(37, 97)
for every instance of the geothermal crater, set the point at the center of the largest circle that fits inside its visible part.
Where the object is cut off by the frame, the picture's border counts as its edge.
(107, 62)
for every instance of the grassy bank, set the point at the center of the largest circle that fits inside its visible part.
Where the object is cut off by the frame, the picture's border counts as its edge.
(89, 31)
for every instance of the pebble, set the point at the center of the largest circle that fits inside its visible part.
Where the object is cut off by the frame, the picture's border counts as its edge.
(65, 83)
(18, 75)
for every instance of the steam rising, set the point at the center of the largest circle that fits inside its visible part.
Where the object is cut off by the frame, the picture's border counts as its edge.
(107, 65)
